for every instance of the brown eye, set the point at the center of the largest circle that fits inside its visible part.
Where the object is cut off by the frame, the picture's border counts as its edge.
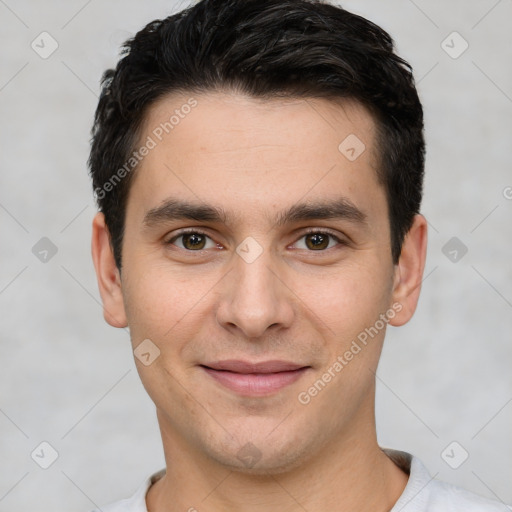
(317, 241)
(192, 241)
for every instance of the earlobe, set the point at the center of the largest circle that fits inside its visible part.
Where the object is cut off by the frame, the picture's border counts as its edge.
(409, 271)
(107, 274)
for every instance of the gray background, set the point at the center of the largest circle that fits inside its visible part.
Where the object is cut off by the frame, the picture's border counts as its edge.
(68, 378)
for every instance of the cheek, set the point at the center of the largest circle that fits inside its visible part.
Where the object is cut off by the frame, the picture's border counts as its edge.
(159, 305)
(350, 298)
(350, 305)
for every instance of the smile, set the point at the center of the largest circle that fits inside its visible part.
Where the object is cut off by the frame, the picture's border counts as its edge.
(257, 379)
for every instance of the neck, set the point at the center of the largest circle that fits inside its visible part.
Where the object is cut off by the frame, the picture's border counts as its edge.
(349, 474)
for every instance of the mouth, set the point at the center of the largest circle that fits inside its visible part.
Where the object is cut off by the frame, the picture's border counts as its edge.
(254, 379)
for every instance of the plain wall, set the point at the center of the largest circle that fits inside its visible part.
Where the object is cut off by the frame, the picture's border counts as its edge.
(69, 379)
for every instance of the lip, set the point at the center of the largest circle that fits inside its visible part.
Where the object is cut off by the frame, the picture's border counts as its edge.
(254, 379)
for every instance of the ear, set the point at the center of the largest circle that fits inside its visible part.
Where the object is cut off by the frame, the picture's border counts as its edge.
(107, 273)
(409, 271)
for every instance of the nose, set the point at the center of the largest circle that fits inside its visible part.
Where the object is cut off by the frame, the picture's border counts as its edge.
(255, 297)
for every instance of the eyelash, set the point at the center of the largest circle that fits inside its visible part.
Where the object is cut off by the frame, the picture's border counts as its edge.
(310, 231)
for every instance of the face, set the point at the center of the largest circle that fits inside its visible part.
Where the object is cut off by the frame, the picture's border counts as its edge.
(257, 261)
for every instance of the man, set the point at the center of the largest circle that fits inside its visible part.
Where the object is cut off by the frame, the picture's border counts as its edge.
(258, 168)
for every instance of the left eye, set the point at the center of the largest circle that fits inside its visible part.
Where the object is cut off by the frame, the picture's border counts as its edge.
(318, 241)
(193, 241)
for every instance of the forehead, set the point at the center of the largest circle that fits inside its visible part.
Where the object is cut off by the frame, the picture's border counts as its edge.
(214, 114)
(252, 153)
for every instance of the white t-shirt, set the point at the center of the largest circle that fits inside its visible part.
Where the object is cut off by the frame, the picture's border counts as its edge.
(422, 493)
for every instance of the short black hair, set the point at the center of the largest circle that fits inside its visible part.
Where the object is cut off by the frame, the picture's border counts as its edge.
(266, 49)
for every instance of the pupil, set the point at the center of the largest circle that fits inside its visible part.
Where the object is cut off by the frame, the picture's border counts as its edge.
(318, 240)
(194, 240)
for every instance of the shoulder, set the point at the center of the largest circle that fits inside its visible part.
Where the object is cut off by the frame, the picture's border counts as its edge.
(137, 503)
(126, 505)
(444, 496)
(425, 494)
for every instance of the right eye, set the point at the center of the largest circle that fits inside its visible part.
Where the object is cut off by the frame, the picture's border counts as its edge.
(192, 240)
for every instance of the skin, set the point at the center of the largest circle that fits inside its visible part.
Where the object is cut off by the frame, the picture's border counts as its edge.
(294, 302)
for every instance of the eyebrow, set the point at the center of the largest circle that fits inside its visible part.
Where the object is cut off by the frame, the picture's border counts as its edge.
(340, 208)
(176, 209)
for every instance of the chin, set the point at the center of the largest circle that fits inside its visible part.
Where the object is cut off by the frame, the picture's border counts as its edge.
(261, 456)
